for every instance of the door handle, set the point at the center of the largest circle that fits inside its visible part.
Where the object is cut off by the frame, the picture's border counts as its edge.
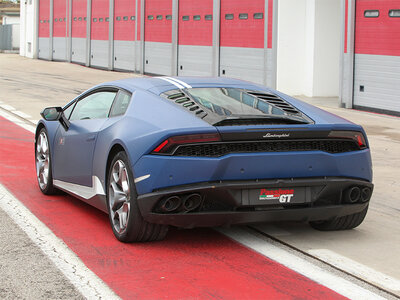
(91, 138)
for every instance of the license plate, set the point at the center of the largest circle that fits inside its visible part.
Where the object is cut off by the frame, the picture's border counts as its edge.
(265, 196)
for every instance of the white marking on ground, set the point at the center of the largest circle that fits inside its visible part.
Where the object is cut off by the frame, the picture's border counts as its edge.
(300, 265)
(22, 114)
(17, 121)
(357, 269)
(34, 121)
(84, 280)
(7, 107)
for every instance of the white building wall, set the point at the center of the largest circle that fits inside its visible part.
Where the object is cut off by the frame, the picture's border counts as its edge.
(9, 20)
(291, 46)
(309, 47)
(28, 28)
(15, 36)
(327, 45)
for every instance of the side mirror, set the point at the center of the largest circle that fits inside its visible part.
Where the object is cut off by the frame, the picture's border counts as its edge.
(54, 114)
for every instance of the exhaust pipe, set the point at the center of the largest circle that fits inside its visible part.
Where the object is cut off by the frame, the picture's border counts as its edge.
(170, 204)
(352, 195)
(365, 194)
(191, 202)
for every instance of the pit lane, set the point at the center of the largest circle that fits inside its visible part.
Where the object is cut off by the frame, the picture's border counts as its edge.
(367, 253)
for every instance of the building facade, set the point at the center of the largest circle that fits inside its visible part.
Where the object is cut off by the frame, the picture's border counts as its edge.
(326, 48)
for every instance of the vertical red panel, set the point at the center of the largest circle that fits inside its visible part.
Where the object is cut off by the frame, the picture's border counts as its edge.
(346, 22)
(100, 25)
(238, 32)
(158, 30)
(381, 35)
(270, 21)
(195, 32)
(79, 13)
(44, 18)
(59, 18)
(124, 25)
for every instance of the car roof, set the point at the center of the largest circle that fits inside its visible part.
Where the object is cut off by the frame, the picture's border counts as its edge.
(158, 85)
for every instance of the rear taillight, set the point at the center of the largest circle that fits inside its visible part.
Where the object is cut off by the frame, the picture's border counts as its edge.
(170, 144)
(356, 136)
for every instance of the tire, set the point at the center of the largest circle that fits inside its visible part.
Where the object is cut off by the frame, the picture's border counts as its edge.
(43, 164)
(125, 218)
(341, 223)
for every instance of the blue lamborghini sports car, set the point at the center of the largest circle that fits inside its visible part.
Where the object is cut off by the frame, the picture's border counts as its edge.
(187, 152)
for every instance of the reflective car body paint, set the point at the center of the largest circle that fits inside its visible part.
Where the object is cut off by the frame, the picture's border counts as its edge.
(150, 119)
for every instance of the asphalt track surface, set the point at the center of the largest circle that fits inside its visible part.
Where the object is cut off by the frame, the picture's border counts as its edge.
(197, 263)
(248, 263)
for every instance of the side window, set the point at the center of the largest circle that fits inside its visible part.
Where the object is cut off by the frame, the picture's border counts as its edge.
(94, 106)
(120, 104)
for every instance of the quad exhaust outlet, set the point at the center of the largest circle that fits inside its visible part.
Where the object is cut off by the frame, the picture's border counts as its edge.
(180, 203)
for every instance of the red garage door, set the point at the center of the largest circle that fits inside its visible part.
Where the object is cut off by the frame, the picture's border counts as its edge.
(242, 48)
(124, 34)
(60, 29)
(377, 55)
(44, 29)
(158, 37)
(78, 31)
(99, 33)
(195, 54)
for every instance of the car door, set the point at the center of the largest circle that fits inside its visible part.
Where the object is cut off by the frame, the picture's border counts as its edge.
(74, 148)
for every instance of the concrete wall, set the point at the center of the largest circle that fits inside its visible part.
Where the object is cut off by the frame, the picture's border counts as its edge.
(16, 36)
(309, 47)
(291, 46)
(28, 29)
(7, 20)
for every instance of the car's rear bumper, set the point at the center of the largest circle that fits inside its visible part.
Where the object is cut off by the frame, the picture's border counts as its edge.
(171, 171)
(235, 202)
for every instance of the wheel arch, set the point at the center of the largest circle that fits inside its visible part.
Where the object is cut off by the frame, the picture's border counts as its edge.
(116, 148)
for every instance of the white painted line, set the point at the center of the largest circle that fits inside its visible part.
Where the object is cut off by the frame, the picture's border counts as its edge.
(172, 82)
(84, 280)
(17, 121)
(7, 107)
(34, 121)
(300, 265)
(180, 82)
(357, 269)
(22, 114)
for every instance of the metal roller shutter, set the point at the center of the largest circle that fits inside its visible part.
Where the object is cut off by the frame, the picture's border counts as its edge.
(44, 29)
(195, 37)
(158, 37)
(242, 53)
(124, 34)
(78, 31)
(377, 55)
(60, 29)
(99, 53)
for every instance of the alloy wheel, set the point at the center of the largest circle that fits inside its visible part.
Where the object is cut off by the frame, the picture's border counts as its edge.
(119, 196)
(42, 160)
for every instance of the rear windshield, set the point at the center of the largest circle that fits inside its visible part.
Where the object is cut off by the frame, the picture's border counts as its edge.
(232, 101)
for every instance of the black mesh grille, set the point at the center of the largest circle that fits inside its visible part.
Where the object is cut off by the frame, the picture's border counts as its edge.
(220, 149)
